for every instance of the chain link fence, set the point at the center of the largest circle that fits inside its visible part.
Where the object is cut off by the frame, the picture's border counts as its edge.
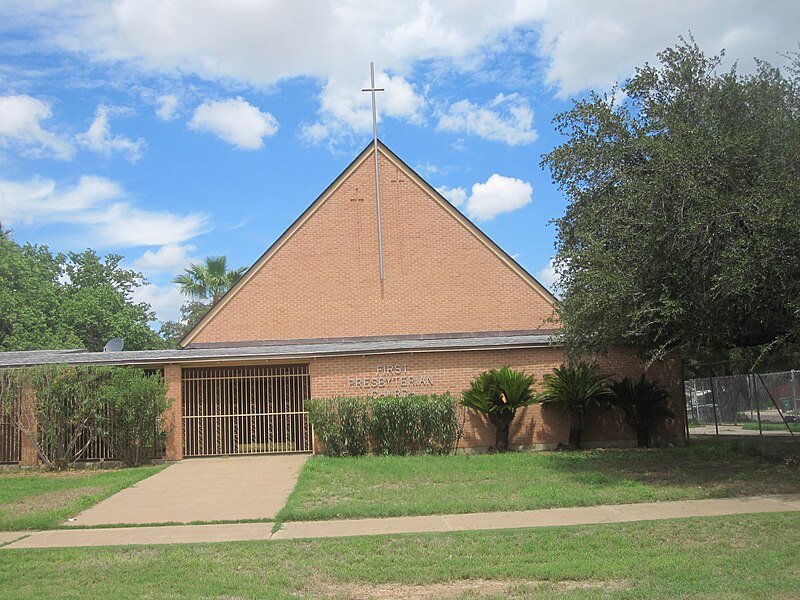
(750, 402)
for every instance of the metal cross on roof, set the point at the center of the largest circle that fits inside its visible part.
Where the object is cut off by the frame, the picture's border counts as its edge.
(372, 89)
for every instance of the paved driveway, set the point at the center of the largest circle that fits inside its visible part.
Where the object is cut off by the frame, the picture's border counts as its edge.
(203, 489)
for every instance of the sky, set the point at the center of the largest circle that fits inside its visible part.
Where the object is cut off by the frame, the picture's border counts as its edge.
(167, 131)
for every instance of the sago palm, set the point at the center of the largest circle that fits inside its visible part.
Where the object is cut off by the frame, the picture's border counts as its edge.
(208, 280)
(643, 403)
(577, 386)
(498, 393)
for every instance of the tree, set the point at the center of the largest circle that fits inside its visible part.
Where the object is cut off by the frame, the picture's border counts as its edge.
(498, 393)
(208, 280)
(577, 386)
(69, 301)
(643, 403)
(172, 332)
(683, 225)
(31, 298)
(98, 304)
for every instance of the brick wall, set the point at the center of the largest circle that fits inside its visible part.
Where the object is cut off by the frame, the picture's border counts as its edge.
(324, 281)
(536, 425)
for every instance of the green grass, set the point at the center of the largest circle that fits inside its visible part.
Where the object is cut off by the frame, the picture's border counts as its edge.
(373, 486)
(43, 500)
(735, 557)
(771, 427)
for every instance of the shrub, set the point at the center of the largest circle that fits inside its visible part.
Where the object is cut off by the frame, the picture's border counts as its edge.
(498, 393)
(387, 424)
(341, 424)
(414, 424)
(643, 403)
(64, 403)
(576, 386)
(134, 402)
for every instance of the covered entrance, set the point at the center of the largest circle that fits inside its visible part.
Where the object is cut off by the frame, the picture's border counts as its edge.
(255, 409)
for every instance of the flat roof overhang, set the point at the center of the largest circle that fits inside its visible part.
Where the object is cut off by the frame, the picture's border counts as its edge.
(287, 350)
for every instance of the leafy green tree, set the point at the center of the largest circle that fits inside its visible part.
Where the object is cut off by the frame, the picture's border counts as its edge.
(498, 394)
(683, 225)
(173, 332)
(98, 303)
(31, 299)
(68, 301)
(643, 403)
(208, 280)
(577, 386)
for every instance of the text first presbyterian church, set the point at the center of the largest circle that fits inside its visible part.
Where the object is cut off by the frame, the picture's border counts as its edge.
(314, 318)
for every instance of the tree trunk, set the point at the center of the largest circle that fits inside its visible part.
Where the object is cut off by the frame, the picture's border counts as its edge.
(576, 428)
(502, 424)
(643, 437)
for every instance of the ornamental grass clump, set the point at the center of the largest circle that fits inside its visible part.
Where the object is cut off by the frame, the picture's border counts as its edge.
(498, 394)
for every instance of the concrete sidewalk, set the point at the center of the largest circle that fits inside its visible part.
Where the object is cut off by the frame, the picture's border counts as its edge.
(619, 513)
(232, 488)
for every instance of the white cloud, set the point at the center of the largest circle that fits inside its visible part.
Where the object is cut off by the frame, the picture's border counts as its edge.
(97, 204)
(507, 119)
(38, 200)
(166, 107)
(169, 258)
(165, 300)
(346, 109)
(20, 127)
(547, 275)
(99, 139)
(610, 39)
(456, 196)
(235, 121)
(498, 195)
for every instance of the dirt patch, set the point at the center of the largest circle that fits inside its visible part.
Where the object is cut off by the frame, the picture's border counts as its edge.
(471, 588)
(47, 501)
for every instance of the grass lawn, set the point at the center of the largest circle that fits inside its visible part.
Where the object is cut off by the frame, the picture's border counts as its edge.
(744, 556)
(43, 500)
(375, 486)
(772, 427)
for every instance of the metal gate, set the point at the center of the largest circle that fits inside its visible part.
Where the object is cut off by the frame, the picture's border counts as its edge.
(245, 410)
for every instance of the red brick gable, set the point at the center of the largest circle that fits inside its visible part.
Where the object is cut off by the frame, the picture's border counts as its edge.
(321, 278)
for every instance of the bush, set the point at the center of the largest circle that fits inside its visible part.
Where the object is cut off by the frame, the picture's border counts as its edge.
(134, 402)
(387, 424)
(75, 406)
(64, 403)
(341, 424)
(414, 424)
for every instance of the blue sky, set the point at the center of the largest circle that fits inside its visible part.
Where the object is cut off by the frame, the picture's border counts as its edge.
(171, 130)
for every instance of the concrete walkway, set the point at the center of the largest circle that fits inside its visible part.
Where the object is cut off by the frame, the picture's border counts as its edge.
(203, 489)
(468, 522)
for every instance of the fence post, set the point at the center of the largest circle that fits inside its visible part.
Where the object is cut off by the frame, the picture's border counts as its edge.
(714, 403)
(794, 392)
(752, 379)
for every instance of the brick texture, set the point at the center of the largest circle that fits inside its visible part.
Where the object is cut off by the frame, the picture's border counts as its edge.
(324, 281)
(452, 371)
(173, 416)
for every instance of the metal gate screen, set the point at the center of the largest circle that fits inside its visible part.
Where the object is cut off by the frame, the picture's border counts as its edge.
(245, 410)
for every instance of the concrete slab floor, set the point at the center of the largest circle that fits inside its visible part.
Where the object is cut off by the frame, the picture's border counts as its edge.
(203, 489)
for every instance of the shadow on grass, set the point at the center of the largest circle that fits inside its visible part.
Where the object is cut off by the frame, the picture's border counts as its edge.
(703, 469)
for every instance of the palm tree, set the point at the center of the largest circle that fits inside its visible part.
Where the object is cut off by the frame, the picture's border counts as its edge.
(643, 403)
(577, 386)
(208, 280)
(498, 393)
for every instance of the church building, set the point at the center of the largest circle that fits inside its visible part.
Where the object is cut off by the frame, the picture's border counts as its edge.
(363, 295)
